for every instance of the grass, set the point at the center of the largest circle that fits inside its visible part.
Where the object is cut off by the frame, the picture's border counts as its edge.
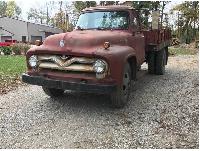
(182, 51)
(11, 68)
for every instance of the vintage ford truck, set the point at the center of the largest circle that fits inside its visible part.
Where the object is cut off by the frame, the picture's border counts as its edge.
(101, 55)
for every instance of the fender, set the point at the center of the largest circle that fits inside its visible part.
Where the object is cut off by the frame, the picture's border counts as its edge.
(116, 56)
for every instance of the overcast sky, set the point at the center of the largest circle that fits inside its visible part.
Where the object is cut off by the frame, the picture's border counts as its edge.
(27, 4)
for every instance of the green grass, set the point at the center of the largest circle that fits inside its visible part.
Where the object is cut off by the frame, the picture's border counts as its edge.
(11, 68)
(182, 51)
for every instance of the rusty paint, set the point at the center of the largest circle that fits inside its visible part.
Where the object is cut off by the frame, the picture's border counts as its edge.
(124, 44)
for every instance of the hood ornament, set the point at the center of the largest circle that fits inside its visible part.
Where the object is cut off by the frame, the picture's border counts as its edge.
(62, 43)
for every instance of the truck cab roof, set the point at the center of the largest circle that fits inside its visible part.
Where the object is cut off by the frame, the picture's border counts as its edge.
(108, 8)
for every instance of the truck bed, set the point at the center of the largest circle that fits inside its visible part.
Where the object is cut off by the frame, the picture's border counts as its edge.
(156, 39)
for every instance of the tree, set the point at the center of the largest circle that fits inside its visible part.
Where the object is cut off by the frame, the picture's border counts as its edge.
(18, 11)
(12, 10)
(106, 3)
(189, 12)
(60, 20)
(80, 5)
(43, 13)
(37, 15)
(150, 6)
(3, 6)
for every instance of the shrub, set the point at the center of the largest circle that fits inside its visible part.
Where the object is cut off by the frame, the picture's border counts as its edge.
(20, 48)
(16, 48)
(7, 50)
(26, 47)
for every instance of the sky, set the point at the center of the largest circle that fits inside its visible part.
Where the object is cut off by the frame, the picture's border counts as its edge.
(27, 4)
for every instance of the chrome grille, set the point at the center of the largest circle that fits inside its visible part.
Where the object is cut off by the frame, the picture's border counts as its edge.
(68, 63)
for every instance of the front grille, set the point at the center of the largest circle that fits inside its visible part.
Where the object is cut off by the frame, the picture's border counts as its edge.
(66, 63)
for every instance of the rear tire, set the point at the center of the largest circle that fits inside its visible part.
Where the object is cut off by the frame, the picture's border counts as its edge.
(151, 62)
(53, 92)
(160, 62)
(120, 98)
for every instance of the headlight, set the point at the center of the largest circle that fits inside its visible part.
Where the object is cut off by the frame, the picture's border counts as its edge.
(99, 66)
(33, 61)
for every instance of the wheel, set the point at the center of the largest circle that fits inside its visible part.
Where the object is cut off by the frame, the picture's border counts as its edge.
(138, 67)
(121, 96)
(53, 92)
(160, 62)
(151, 62)
(167, 55)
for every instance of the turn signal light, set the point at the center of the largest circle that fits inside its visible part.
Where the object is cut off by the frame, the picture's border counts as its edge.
(106, 45)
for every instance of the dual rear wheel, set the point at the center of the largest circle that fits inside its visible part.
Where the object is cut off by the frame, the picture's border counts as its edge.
(157, 61)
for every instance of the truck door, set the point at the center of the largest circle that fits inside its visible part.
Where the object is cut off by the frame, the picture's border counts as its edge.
(138, 39)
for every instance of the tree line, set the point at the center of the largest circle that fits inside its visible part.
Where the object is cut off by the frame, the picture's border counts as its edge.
(187, 21)
(63, 14)
(10, 9)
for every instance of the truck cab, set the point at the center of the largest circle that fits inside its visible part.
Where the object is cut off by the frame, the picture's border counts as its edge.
(101, 55)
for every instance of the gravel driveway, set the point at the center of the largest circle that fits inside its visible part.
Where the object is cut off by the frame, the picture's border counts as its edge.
(163, 113)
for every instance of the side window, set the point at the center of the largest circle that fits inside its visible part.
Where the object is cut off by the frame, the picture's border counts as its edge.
(144, 19)
(135, 23)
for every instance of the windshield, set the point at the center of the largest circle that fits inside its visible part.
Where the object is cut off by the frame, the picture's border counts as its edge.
(103, 20)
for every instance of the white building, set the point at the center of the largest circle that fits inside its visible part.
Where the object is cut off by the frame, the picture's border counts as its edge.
(24, 31)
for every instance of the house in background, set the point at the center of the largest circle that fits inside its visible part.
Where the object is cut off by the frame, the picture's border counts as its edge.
(5, 34)
(23, 31)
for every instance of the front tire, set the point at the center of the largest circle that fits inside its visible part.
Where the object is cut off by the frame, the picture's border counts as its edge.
(120, 98)
(53, 92)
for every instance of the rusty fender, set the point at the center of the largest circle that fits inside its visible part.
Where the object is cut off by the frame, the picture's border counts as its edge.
(116, 57)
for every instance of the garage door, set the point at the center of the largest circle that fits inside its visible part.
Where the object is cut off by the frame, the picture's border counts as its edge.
(3, 38)
(34, 38)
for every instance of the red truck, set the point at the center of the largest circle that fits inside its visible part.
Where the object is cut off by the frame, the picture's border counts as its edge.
(7, 43)
(101, 55)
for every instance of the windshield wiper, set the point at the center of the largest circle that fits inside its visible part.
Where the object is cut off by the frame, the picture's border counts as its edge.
(104, 28)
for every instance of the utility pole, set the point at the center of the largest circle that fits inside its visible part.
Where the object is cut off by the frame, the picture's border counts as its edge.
(179, 33)
(47, 21)
(61, 12)
(67, 21)
(195, 10)
(163, 6)
(178, 25)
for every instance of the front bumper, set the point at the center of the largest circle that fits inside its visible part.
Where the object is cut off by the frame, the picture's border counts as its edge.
(66, 85)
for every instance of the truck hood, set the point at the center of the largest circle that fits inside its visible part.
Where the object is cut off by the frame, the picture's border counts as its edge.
(85, 41)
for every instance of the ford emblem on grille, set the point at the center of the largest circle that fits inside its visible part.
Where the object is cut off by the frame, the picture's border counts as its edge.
(62, 43)
(64, 57)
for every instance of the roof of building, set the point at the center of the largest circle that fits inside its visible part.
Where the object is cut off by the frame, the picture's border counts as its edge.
(29, 22)
(111, 7)
(1, 28)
